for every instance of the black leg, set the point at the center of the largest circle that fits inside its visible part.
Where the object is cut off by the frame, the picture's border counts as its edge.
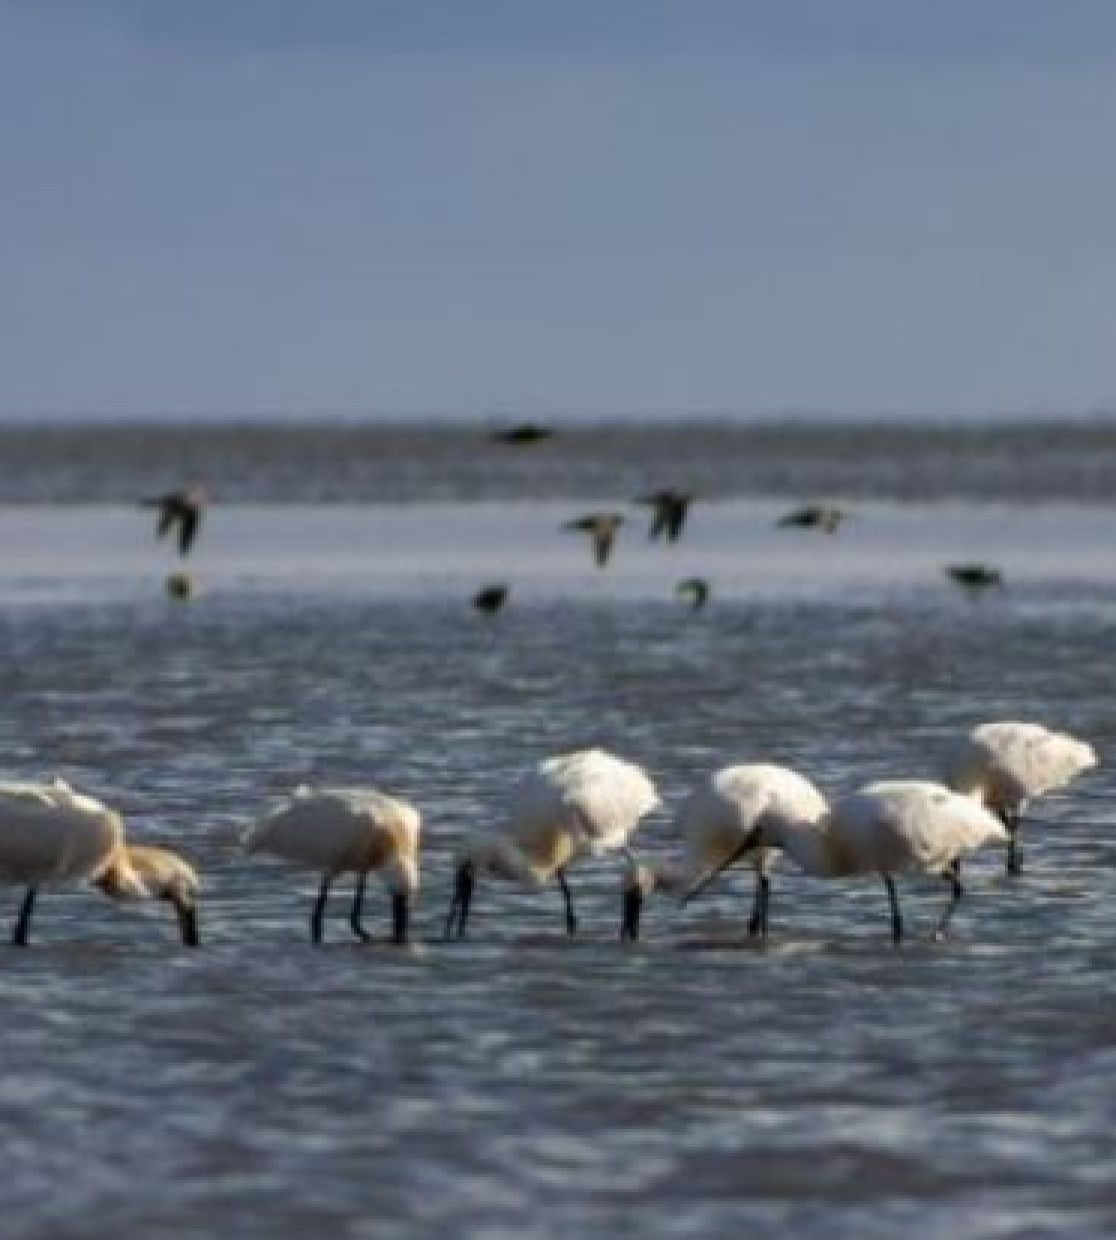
(896, 916)
(358, 905)
(23, 922)
(956, 891)
(187, 923)
(319, 912)
(757, 924)
(571, 917)
(1014, 865)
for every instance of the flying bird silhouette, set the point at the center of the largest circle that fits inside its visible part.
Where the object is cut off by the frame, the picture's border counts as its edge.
(974, 579)
(178, 508)
(671, 508)
(490, 599)
(601, 528)
(696, 589)
(813, 517)
(524, 433)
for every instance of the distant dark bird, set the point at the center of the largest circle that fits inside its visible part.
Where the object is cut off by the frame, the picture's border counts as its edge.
(181, 508)
(601, 527)
(524, 433)
(974, 578)
(696, 589)
(814, 517)
(181, 586)
(490, 599)
(671, 508)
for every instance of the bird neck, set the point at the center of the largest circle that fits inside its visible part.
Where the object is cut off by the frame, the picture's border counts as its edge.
(810, 845)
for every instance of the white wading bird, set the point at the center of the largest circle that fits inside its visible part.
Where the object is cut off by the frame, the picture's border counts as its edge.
(715, 821)
(1003, 765)
(347, 830)
(164, 875)
(50, 834)
(577, 803)
(888, 828)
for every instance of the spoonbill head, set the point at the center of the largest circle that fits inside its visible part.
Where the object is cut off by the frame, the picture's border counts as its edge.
(347, 830)
(1003, 765)
(163, 875)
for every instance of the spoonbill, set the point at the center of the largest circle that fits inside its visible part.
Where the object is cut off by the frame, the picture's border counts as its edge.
(1004, 764)
(814, 517)
(164, 875)
(601, 528)
(671, 509)
(179, 508)
(715, 821)
(888, 828)
(347, 830)
(584, 802)
(50, 834)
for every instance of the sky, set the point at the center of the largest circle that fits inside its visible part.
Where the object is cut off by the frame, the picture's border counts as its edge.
(557, 207)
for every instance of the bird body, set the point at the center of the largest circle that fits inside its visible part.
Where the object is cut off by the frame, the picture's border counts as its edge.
(814, 517)
(587, 802)
(974, 578)
(489, 599)
(671, 509)
(347, 830)
(602, 528)
(1003, 765)
(49, 833)
(523, 433)
(696, 589)
(716, 823)
(178, 508)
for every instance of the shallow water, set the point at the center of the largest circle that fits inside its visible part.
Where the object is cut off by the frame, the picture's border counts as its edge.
(523, 1083)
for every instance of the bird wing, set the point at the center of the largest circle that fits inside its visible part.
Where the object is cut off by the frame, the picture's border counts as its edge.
(188, 522)
(676, 518)
(167, 517)
(50, 833)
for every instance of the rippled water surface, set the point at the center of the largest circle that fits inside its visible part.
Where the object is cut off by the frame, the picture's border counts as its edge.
(522, 1083)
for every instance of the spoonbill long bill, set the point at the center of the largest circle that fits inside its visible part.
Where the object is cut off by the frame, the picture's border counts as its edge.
(716, 821)
(1003, 765)
(51, 834)
(347, 830)
(568, 806)
(164, 875)
(888, 828)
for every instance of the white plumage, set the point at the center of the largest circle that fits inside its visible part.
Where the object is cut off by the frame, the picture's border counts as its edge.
(577, 803)
(1004, 765)
(715, 823)
(164, 875)
(347, 830)
(889, 828)
(51, 834)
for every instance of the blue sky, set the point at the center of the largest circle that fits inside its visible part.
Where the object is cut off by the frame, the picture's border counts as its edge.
(594, 206)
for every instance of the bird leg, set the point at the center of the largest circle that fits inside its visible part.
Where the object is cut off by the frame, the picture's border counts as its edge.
(757, 924)
(1011, 822)
(459, 906)
(629, 919)
(23, 922)
(571, 917)
(319, 911)
(187, 922)
(896, 916)
(952, 876)
(358, 905)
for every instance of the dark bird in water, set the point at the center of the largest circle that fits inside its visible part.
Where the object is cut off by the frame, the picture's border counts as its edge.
(181, 508)
(601, 527)
(974, 578)
(813, 517)
(490, 599)
(524, 433)
(671, 508)
(181, 586)
(696, 589)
